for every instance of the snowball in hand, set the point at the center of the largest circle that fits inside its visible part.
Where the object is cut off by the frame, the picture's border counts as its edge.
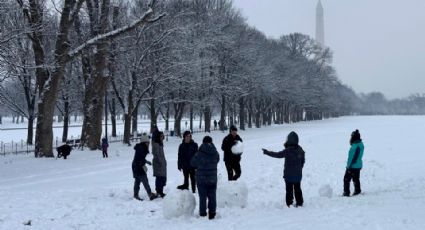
(232, 194)
(237, 148)
(179, 203)
(326, 191)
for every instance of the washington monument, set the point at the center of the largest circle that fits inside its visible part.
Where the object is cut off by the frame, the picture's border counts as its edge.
(320, 24)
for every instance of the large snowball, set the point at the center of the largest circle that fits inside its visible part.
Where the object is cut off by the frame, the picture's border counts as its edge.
(237, 148)
(326, 191)
(232, 194)
(179, 203)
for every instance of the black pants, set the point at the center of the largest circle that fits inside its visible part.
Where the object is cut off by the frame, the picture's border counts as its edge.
(160, 182)
(144, 180)
(292, 187)
(189, 173)
(207, 191)
(233, 168)
(352, 174)
(105, 154)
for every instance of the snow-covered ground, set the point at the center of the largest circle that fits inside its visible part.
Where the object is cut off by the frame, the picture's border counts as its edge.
(89, 192)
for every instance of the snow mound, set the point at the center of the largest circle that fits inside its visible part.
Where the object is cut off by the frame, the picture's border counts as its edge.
(326, 191)
(179, 203)
(232, 194)
(237, 148)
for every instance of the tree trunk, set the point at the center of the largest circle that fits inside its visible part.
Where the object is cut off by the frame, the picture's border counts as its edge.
(30, 134)
(167, 118)
(153, 114)
(96, 85)
(223, 113)
(113, 111)
(49, 92)
(200, 120)
(127, 118)
(207, 114)
(134, 117)
(191, 118)
(178, 115)
(65, 121)
(241, 113)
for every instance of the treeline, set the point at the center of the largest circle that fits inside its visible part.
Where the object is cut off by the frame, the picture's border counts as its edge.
(169, 58)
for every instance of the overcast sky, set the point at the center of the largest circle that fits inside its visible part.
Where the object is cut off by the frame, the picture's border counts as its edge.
(379, 45)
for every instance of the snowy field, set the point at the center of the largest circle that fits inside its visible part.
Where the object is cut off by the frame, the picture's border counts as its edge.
(89, 192)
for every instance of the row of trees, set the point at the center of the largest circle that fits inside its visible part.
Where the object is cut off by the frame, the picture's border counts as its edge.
(171, 58)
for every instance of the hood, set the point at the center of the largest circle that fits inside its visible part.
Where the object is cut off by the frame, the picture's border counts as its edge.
(208, 149)
(292, 139)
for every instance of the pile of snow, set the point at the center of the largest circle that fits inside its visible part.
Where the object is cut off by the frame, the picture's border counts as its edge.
(179, 203)
(326, 191)
(232, 194)
(237, 148)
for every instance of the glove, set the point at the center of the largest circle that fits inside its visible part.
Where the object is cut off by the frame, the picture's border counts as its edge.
(148, 162)
(265, 151)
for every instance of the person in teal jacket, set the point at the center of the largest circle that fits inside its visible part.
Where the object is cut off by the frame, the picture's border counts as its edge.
(354, 164)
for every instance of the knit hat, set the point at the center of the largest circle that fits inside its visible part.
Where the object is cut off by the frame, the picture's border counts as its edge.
(233, 128)
(292, 139)
(207, 140)
(355, 135)
(144, 138)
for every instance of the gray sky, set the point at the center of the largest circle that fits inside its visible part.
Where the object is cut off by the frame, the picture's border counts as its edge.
(378, 45)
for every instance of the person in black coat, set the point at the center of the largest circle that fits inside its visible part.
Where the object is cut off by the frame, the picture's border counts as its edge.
(294, 162)
(64, 151)
(232, 161)
(205, 161)
(139, 168)
(187, 150)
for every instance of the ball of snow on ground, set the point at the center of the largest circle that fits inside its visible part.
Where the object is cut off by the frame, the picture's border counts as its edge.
(179, 203)
(232, 194)
(237, 148)
(326, 191)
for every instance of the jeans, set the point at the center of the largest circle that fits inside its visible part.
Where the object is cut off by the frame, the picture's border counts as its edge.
(207, 191)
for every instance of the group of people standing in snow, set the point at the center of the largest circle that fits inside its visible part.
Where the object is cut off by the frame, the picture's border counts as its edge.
(199, 166)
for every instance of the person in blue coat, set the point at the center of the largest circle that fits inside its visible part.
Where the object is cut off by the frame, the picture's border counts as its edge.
(354, 164)
(205, 161)
(294, 162)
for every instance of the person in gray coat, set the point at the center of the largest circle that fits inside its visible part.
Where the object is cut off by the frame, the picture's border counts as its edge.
(159, 163)
(205, 161)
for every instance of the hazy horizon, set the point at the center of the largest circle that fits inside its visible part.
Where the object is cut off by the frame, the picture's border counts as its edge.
(377, 45)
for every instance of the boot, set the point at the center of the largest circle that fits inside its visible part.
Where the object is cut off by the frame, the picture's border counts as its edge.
(211, 215)
(346, 194)
(356, 193)
(136, 197)
(161, 194)
(153, 196)
(183, 187)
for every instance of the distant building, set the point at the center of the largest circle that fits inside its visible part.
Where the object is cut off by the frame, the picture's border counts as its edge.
(320, 24)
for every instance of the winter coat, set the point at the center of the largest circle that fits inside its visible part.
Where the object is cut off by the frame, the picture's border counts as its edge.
(226, 146)
(355, 155)
(64, 150)
(185, 155)
(159, 164)
(205, 161)
(139, 160)
(294, 162)
(105, 146)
